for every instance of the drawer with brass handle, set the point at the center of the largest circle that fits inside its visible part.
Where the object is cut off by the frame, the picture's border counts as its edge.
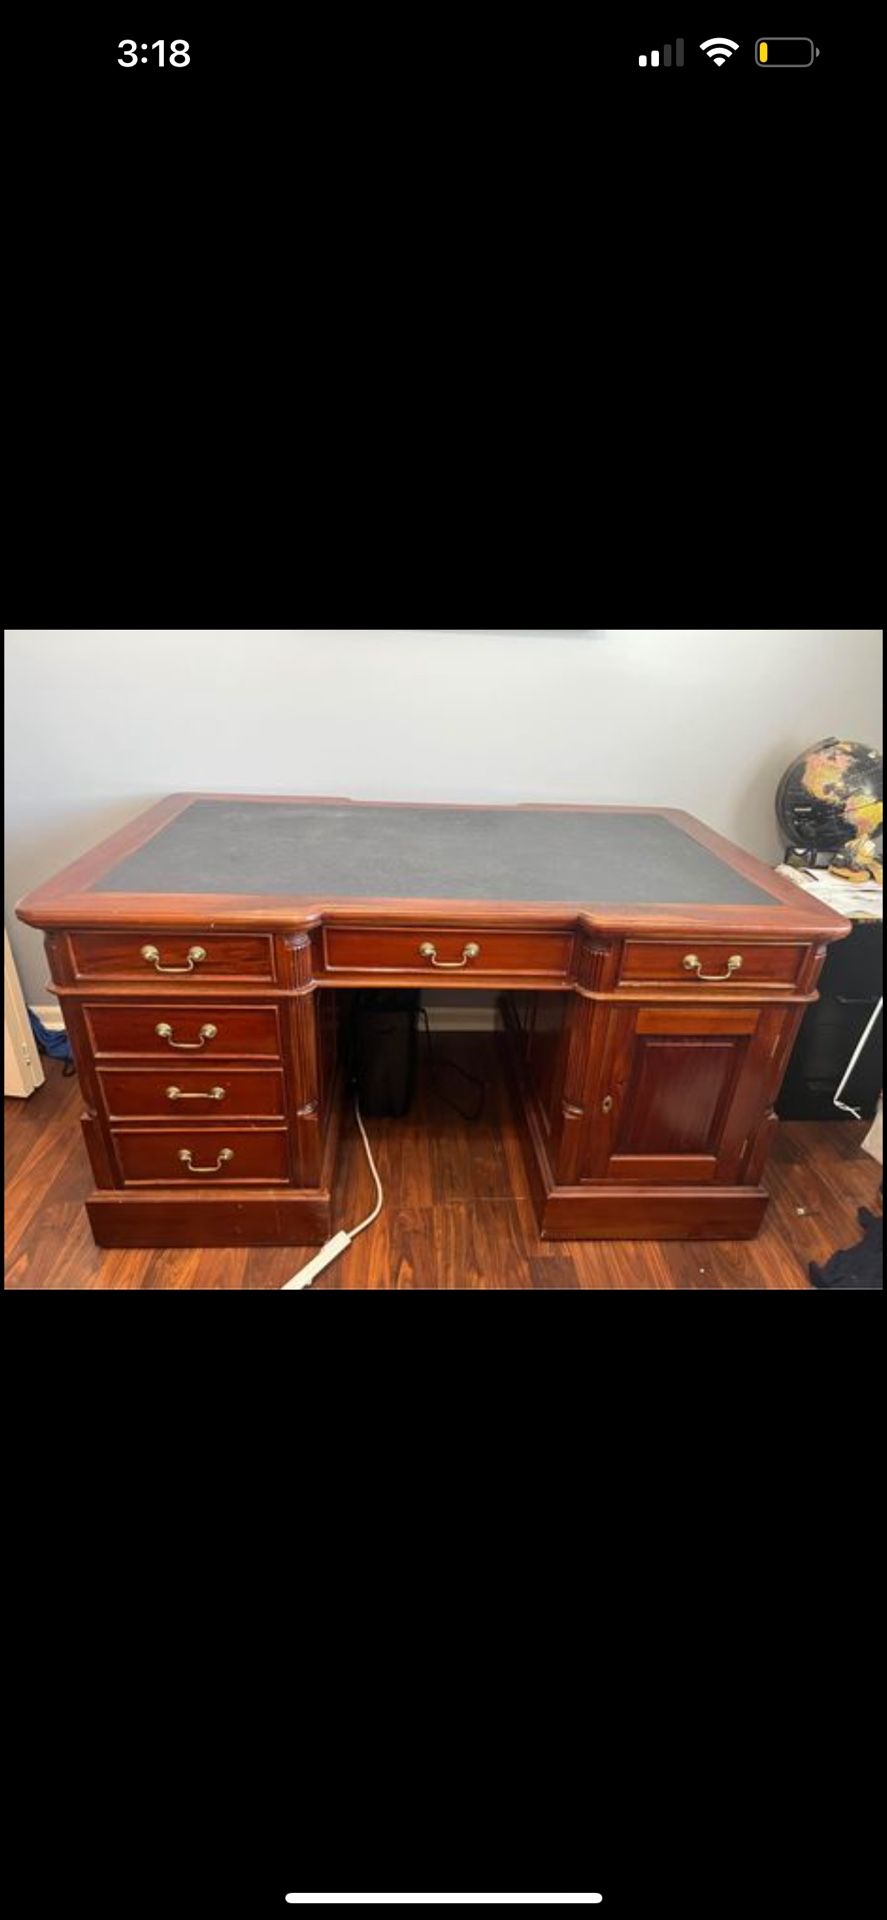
(164, 1156)
(164, 1031)
(210, 1093)
(140, 956)
(193, 1166)
(241, 1032)
(734, 965)
(482, 953)
(141, 1093)
(428, 951)
(194, 958)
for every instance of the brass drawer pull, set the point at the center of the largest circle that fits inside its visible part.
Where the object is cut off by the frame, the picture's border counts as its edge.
(429, 952)
(607, 1103)
(227, 1153)
(214, 1093)
(694, 965)
(164, 1032)
(195, 955)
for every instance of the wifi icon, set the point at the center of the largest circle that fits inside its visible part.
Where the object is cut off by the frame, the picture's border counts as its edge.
(719, 49)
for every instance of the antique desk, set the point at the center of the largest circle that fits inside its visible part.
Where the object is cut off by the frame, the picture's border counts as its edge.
(653, 979)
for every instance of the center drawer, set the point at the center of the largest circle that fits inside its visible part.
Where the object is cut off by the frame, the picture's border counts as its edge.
(185, 956)
(447, 953)
(228, 1156)
(190, 1094)
(181, 1032)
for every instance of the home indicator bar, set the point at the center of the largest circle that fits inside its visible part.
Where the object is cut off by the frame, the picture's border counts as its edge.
(785, 53)
(444, 1899)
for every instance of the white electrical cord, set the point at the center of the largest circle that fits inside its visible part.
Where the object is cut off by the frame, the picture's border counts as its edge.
(374, 1171)
(341, 1241)
(836, 1100)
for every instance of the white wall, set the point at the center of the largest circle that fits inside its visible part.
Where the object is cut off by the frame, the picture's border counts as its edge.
(99, 724)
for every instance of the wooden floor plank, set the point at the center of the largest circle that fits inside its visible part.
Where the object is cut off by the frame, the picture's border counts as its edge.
(56, 1168)
(557, 1271)
(25, 1119)
(458, 1213)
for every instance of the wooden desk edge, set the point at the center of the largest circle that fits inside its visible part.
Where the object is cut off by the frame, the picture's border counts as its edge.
(71, 897)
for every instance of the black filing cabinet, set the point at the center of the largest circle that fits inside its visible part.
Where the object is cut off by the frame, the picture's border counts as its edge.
(850, 986)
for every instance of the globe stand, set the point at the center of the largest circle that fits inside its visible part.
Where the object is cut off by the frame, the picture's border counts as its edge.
(806, 857)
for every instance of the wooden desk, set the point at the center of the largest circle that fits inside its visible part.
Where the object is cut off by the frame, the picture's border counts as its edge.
(653, 977)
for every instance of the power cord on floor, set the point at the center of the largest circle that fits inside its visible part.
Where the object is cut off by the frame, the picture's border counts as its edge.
(341, 1241)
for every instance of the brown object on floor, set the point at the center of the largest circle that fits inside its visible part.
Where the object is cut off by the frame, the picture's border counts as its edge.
(458, 1211)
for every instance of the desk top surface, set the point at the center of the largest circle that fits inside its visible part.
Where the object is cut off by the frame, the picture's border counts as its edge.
(367, 852)
(236, 859)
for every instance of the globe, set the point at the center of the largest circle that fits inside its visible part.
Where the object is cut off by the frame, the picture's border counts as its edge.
(829, 801)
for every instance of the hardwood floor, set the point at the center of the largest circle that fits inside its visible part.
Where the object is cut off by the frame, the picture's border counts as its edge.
(457, 1208)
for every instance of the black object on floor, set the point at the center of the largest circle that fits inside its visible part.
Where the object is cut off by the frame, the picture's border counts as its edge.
(859, 1266)
(383, 1049)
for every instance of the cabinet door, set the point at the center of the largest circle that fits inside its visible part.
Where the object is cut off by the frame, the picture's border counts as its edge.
(680, 1093)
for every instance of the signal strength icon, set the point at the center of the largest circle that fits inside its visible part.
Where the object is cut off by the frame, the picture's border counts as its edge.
(666, 56)
(719, 49)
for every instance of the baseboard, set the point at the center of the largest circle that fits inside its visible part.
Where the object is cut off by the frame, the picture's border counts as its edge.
(51, 1017)
(464, 1019)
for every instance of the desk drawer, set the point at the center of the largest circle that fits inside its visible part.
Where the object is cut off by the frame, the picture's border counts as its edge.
(186, 956)
(446, 953)
(665, 962)
(187, 1031)
(191, 1094)
(226, 1156)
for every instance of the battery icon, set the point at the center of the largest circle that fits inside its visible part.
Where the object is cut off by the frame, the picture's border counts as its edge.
(785, 53)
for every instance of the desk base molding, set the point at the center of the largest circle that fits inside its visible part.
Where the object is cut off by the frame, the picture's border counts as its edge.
(270, 1218)
(652, 1213)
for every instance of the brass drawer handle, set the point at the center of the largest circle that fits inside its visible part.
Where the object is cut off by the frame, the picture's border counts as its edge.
(694, 965)
(429, 952)
(164, 1032)
(195, 955)
(214, 1093)
(227, 1153)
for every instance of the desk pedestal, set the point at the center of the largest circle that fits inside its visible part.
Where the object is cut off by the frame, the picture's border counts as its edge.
(646, 1120)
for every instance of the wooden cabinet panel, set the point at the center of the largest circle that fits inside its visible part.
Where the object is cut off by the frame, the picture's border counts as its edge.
(186, 956)
(675, 1096)
(693, 1020)
(669, 1082)
(761, 965)
(539, 1020)
(224, 1157)
(182, 1032)
(185, 1094)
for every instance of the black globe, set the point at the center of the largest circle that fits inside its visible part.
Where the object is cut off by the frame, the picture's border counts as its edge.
(831, 795)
